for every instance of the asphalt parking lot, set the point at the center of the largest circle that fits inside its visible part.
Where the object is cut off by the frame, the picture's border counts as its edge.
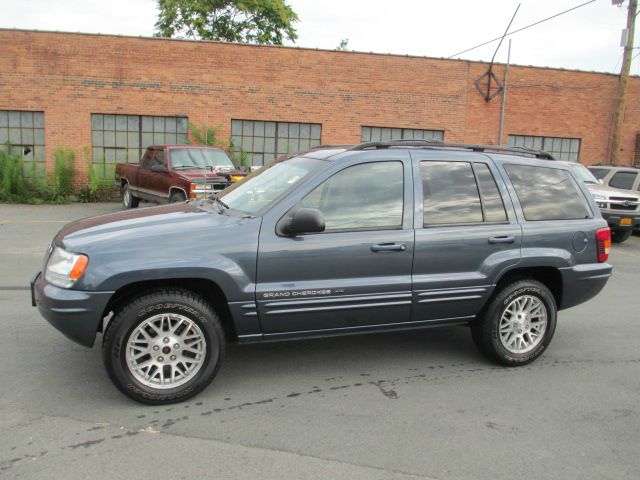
(400, 405)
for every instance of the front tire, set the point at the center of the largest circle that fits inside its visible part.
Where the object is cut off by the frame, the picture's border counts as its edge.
(621, 235)
(177, 197)
(128, 199)
(517, 325)
(163, 347)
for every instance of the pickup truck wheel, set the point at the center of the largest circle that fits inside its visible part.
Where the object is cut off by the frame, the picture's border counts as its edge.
(163, 347)
(128, 200)
(177, 197)
(620, 235)
(517, 325)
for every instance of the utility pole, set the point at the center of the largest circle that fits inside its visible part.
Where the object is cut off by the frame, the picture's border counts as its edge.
(621, 100)
(504, 95)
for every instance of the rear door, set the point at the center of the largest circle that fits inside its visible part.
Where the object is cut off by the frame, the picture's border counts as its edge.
(356, 274)
(466, 234)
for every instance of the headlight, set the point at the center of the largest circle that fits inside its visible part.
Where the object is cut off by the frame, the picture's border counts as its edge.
(599, 197)
(65, 268)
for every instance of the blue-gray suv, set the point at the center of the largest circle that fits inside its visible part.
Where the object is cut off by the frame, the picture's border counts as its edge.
(337, 240)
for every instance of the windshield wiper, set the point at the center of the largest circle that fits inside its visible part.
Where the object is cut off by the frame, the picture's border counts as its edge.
(215, 198)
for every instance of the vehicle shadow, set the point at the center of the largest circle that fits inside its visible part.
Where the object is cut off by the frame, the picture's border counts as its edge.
(350, 355)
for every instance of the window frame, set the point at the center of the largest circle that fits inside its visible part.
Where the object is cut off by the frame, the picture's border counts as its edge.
(278, 126)
(130, 126)
(34, 165)
(402, 225)
(419, 199)
(544, 139)
(403, 131)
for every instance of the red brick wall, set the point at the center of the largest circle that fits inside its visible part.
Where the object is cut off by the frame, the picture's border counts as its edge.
(70, 76)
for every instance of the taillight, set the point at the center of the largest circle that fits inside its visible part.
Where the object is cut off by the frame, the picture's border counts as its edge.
(603, 244)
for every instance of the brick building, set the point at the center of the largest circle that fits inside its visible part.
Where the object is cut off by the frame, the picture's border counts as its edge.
(110, 96)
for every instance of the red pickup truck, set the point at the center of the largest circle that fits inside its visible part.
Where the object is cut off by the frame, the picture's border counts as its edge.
(174, 173)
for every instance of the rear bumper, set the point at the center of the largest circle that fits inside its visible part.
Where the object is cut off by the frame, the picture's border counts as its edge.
(76, 314)
(582, 282)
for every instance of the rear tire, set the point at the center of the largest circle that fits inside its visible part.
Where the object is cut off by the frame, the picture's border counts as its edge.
(163, 347)
(517, 325)
(128, 199)
(620, 235)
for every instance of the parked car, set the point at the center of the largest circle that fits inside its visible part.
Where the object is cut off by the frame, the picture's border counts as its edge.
(619, 208)
(175, 173)
(377, 237)
(623, 178)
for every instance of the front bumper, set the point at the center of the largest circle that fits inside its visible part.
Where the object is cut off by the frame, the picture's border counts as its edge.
(614, 219)
(77, 314)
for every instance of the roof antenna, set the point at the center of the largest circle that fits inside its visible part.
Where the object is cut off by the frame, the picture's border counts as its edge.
(485, 87)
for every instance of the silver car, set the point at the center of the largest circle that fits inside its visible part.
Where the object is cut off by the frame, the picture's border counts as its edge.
(620, 208)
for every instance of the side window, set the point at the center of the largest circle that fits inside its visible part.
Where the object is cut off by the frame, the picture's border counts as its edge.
(599, 173)
(547, 193)
(146, 158)
(492, 204)
(451, 194)
(159, 158)
(623, 180)
(369, 196)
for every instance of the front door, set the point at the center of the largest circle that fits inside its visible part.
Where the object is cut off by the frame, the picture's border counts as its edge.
(154, 185)
(466, 234)
(356, 274)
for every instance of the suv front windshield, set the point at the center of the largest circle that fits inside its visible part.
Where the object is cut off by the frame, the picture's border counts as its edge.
(262, 187)
(584, 174)
(185, 158)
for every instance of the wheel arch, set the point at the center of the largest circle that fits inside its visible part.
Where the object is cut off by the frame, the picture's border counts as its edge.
(210, 291)
(174, 189)
(550, 277)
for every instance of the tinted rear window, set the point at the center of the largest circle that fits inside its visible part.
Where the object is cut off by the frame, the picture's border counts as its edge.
(547, 193)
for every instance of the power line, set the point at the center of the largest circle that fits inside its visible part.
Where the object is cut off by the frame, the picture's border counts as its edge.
(523, 28)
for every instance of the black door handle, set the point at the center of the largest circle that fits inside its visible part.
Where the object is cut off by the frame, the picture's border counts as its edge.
(388, 247)
(502, 239)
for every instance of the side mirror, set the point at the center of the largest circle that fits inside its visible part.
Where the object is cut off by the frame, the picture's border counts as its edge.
(156, 167)
(303, 220)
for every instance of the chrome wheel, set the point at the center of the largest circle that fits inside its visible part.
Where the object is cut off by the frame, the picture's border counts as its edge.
(523, 324)
(126, 197)
(165, 351)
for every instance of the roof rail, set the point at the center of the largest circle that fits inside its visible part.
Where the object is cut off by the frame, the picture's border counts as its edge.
(465, 146)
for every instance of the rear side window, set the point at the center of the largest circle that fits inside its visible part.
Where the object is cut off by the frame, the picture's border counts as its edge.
(492, 205)
(547, 193)
(599, 173)
(455, 194)
(623, 180)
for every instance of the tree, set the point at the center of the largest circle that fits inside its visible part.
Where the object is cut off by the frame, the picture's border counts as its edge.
(343, 45)
(245, 21)
(206, 136)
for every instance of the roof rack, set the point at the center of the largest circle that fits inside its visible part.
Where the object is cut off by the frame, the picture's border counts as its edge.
(465, 146)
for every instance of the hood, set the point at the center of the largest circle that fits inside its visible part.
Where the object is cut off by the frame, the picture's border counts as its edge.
(198, 173)
(152, 226)
(607, 191)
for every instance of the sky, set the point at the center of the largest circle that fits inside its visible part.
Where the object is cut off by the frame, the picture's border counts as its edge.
(585, 39)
